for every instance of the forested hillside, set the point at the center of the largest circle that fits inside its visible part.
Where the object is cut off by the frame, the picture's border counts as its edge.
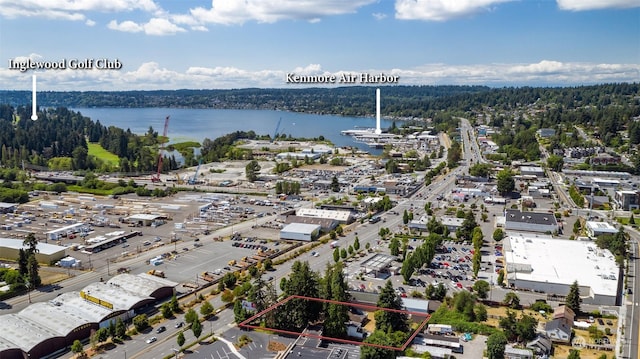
(59, 139)
(609, 111)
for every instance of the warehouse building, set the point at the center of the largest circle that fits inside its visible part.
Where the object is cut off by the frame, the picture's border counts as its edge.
(326, 225)
(340, 216)
(530, 221)
(300, 232)
(540, 263)
(46, 253)
(46, 328)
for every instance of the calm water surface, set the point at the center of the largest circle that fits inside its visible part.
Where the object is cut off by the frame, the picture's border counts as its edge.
(198, 124)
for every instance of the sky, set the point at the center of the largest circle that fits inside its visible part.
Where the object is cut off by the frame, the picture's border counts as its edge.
(222, 44)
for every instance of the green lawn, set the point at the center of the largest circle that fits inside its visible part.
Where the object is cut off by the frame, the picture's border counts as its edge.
(99, 152)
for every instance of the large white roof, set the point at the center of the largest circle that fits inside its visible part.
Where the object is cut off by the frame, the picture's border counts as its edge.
(343, 216)
(93, 313)
(44, 248)
(544, 259)
(24, 333)
(301, 228)
(142, 284)
(120, 298)
(57, 318)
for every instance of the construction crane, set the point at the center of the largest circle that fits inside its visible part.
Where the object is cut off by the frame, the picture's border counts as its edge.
(275, 133)
(156, 177)
(193, 180)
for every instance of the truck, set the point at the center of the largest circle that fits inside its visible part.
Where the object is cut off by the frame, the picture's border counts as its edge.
(157, 273)
(208, 276)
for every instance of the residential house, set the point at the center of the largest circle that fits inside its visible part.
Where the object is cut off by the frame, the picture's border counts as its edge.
(559, 330)
(517, 353)
(541, 346)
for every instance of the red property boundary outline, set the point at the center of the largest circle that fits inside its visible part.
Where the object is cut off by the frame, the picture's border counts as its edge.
(245, 324)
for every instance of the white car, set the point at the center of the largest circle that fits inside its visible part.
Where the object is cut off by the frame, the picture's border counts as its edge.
(151, 340)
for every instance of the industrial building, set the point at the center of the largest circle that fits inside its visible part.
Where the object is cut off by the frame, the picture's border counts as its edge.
(340, 216)
(540, 263)
(300, 231)
(47, 328)
(530, 221)
(46, 253)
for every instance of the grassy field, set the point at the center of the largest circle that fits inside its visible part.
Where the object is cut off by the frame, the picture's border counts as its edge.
(51, 276)
(99, 152)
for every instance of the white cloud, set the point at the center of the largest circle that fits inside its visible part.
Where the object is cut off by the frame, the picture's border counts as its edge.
(151, 76)
(268, 11)
(70, 9)
(156, 27)
(125, 26)
(90, 22)
(379, 16)
(161, 27)
(580, 5)
(441, 10)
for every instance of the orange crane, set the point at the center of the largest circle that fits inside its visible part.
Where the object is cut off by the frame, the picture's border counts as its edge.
(156, 177)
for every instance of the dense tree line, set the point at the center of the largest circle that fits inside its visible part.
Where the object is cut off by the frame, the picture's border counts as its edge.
(59, 139)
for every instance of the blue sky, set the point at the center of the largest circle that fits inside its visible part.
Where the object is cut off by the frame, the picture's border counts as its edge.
(173, 44)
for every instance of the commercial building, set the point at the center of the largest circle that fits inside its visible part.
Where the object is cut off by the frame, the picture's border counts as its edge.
(143, 219)
(378, 263)
(8, 207)
(46, 253)
(595, 229)
(627, 200)
(58, 233)
(340, 216)
(530, 221)
(548, 265)
(326, 225)
(300, 231)
(46, 328)
(532, 171)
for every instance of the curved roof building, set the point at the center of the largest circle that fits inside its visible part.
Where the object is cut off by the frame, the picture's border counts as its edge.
(46, 327)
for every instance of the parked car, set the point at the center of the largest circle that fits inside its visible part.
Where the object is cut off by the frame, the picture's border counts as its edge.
(161, 329)
(151, 340)
(179, 325)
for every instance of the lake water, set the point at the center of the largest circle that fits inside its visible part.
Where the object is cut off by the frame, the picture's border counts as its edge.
(198, 124)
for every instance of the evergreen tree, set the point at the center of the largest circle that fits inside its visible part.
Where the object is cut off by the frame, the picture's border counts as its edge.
(23, 259)
(335, 185)
(336, 314)
(252, 170)
(32, 272)
(573, 298)
(388, 321)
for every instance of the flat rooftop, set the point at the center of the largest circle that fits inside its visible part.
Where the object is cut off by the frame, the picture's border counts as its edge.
(545, 259)
(44, 248)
